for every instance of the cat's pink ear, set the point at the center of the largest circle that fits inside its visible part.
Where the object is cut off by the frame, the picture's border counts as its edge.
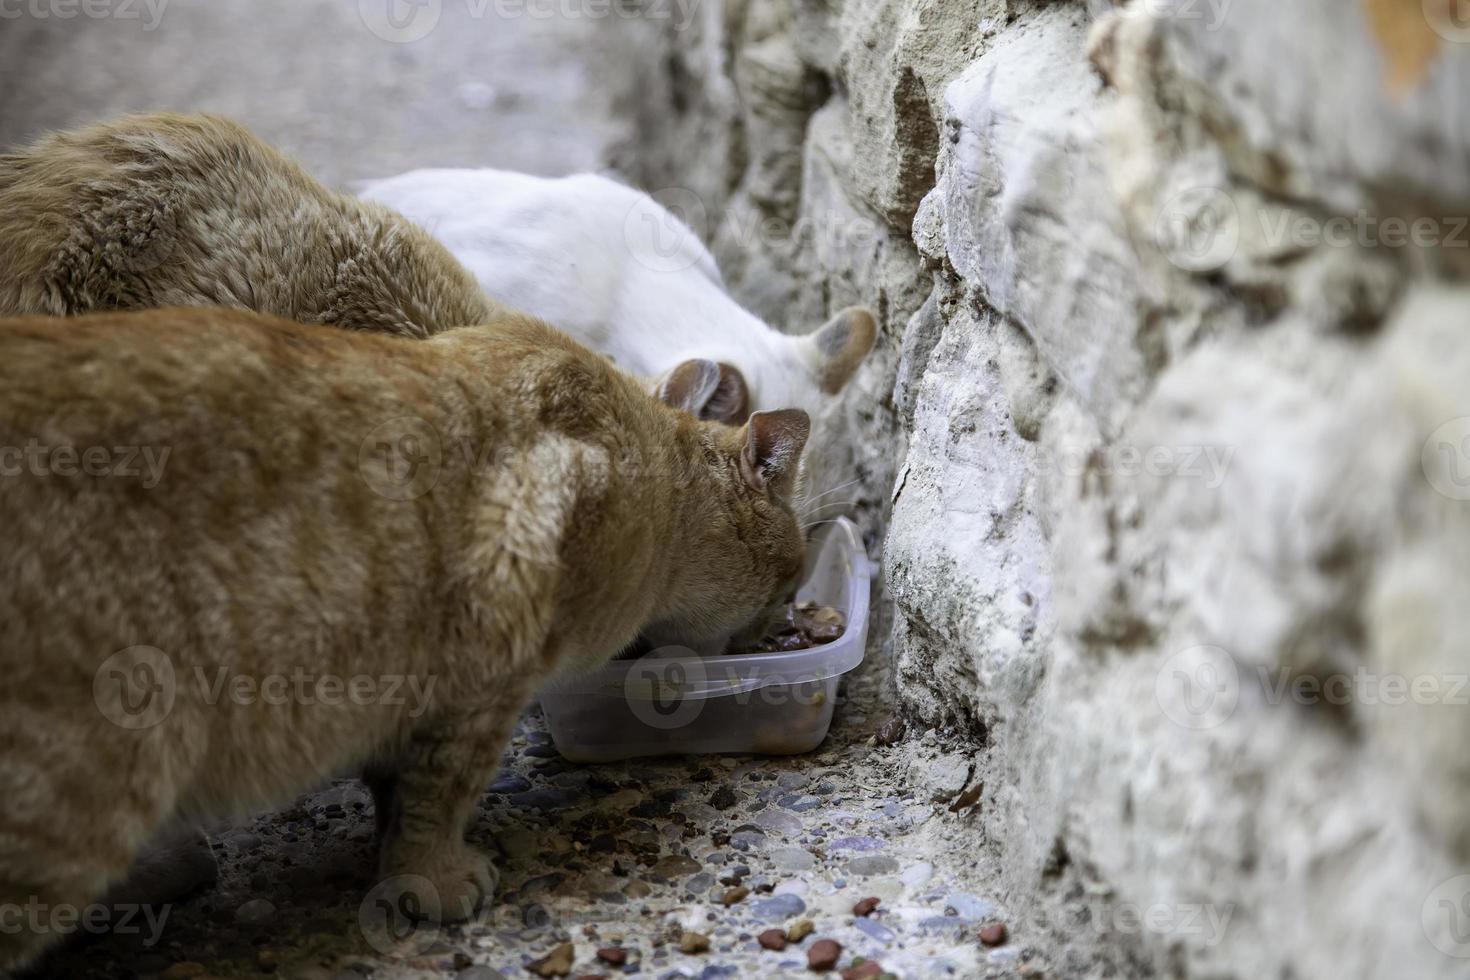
(773, 445)
(689, 386)
(710, 391)
(837, 349)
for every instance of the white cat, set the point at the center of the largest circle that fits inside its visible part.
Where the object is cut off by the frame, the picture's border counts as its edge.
(615, 269)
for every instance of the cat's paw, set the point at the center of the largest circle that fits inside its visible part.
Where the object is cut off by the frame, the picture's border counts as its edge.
(461, 880)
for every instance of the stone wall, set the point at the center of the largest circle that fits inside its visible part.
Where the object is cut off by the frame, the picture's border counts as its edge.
(1166, 446)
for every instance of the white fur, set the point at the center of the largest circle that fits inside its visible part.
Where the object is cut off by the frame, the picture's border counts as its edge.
(608, 265)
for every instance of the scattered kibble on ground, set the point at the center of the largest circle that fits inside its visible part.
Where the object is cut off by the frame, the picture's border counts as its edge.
(823, 955)
(557, 963)
(772, 939)
(613, 955)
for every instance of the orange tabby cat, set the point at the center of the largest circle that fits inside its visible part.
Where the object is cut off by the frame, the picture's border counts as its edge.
(244, 554)
(173, 210)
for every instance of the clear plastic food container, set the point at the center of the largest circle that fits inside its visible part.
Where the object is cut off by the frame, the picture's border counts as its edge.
(675, 702)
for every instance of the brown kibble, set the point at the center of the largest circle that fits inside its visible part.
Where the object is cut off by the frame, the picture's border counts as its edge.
(772, 939)
(799, 930)
(866, 906)
(823, 955)
(994, 934)
(613, 955)
(733, 895)
(693, 942)
(892, 731)
(863, 970)
(557, 963)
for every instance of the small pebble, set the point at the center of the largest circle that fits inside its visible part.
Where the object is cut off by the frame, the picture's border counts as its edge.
(866, 906)
(693, 942)
(777, 908)
(799, 930)
(557, 963)
(613, 955)
(183, 971)
(723, 798)
(863, 970)
(772, 939)
(823, 955)
(733, 895)
(994, 934)
(255, 911)
(875, 930)
(892, 731)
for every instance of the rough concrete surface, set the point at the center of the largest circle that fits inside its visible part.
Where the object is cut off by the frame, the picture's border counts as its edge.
(1180, 517)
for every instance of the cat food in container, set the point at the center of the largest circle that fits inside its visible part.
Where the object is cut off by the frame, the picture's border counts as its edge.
(674, 702)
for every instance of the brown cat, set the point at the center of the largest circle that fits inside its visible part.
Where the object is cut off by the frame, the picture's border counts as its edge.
(173, 210)
(348, 549)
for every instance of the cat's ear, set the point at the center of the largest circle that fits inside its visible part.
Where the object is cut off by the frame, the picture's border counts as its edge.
(715, 392)
(773, 445)
(689, 386)
(730, 402)
(837, 349)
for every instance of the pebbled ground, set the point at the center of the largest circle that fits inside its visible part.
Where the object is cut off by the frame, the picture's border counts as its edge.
(638, 856)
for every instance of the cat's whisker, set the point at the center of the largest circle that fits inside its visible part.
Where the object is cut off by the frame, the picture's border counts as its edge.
(826, 493)
(812, 512)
